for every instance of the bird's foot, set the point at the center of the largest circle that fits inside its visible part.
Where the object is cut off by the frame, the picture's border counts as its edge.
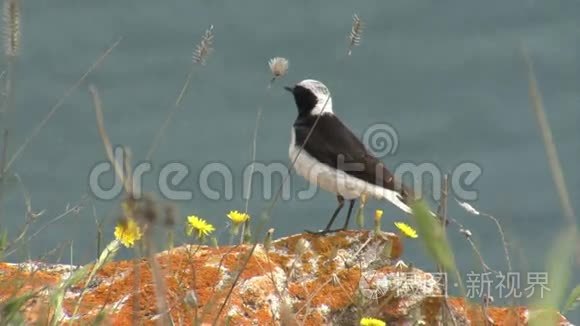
(323, 232)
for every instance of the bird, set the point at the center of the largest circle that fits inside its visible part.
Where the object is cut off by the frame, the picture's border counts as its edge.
(327, 153)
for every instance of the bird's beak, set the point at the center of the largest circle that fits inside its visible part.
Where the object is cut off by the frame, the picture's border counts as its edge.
(289, 89)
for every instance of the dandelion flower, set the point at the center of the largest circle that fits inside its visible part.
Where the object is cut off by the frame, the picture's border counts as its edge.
(406, 229)
(367, 321)
(238, 217)
(201, 226)
(278, 66)
(378, 214)
(127, 232)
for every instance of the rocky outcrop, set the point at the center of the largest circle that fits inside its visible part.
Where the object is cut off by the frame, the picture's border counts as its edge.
(297, 280)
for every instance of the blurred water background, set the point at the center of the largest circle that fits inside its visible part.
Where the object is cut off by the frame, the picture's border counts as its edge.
(448, 76)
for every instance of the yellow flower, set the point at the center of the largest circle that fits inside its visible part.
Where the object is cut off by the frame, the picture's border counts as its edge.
(378, 214)
(237, 217)
(406, 229)
(202, 227)
(127, 232)
(367, 321)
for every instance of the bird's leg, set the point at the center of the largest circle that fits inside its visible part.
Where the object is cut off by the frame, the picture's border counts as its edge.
(336, 211)
(350, 206)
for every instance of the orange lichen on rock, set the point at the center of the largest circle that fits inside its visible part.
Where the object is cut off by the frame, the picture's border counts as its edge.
(17, 279)
(302, 279)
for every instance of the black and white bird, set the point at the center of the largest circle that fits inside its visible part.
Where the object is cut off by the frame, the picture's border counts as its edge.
(326, 153)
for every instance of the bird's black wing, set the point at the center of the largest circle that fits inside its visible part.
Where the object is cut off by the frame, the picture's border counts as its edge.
(332, 143)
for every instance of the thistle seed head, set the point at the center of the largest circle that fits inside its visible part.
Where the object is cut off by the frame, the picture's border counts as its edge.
(278, 66)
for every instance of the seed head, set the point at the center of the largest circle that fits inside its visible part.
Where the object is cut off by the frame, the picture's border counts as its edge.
(11, 27)
(355, 33)
(278, 66)
(204, 48)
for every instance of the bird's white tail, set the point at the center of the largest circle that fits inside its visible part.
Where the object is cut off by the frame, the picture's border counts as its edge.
(396, 199)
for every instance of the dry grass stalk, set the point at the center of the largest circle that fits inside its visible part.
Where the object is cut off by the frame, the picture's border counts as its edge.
(549, 144)
(467, 233)
(3, 155)
(59, 104)
(246, 225)
(70, 209)
(202, 51)
(279, 68)
(147, 215)
(118, 168)
(446, 312)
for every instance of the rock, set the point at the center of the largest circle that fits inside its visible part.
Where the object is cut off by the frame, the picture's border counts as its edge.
(298, 280)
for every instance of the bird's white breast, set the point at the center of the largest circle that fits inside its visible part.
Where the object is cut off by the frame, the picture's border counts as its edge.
(329, 178)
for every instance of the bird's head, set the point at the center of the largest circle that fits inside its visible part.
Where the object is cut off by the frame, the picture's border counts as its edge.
(312, 97)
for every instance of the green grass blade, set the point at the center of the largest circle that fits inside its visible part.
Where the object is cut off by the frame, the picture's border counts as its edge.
(433, 236)
(559, 271)
(573, 300)
(10, 311)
